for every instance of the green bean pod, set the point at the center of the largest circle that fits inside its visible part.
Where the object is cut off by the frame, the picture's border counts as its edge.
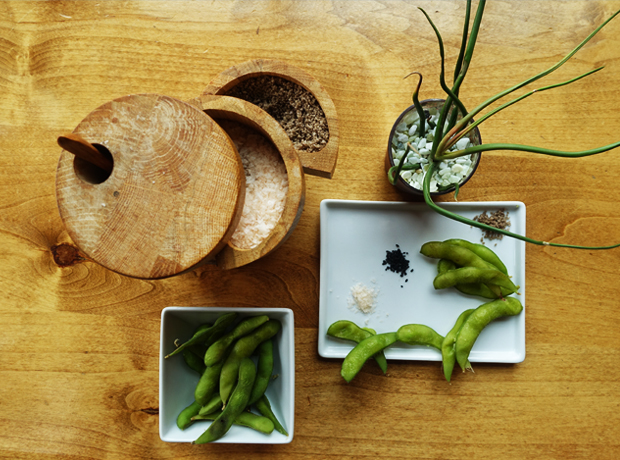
(477, 321)
(368, 347)
(217, 350)
(459, 255)
(237, 404)
(264, 407)
(347, 330)
(494, 279)
(419, 334)
(448, 353)
(243, 348)
(213, 405)
(474, 289)
(481, 251)
(203, 335)
(247, 419)
(193, 361)
(208, 384)
(264, 369)
(184, 419)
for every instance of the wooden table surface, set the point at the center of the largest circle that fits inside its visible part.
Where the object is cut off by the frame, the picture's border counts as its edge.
(79, 346)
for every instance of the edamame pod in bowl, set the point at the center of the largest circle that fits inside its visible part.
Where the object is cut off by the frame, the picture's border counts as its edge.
(243, 348)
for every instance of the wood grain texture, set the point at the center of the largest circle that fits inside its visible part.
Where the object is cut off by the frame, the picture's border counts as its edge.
(79, 345)
(173, 198)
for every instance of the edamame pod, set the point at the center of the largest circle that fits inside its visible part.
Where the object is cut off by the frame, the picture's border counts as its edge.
(264, 407)
(208, 383)
(348, 330)
(419, 334)
(193, 361)
(220, 325)
(248, 419)
(364, 350)
(477, 321)
(481, 251)
(478, 289)
(243, 348)
(448, 353)
(185, 417)
(237, 404)
(461, 256)
(217, 350)
(470, 275)
(214, 404)
(264, 370)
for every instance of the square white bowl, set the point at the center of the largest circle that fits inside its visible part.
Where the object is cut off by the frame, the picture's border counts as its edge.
(177, 381)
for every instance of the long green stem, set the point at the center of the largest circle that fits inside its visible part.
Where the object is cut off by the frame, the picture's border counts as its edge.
(459, 60)
(466, 119)
(416, 103)
(450, 139)
(464, 220)
(471, 44)
(442, 74)
(525, 148)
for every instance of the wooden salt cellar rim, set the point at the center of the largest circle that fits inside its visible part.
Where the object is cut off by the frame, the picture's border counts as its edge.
(174, 196)
(230, 108)
(321, 163)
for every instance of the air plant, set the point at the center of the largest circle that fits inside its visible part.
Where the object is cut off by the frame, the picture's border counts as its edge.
(457, 128)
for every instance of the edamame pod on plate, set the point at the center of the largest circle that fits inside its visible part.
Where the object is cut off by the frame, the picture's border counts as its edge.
(482, 251)
(477, 321)
(419, 334)
(356, 358)
(448, 353)
(348, 330)
(493, 279)
(461, 256)
(474, 289)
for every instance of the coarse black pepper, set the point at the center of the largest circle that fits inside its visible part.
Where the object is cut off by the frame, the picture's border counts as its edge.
(396, 261)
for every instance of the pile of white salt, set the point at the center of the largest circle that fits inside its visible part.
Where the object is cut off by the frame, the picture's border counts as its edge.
(266, 185)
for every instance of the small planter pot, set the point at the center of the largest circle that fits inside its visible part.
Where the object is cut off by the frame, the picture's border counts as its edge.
(432, 106)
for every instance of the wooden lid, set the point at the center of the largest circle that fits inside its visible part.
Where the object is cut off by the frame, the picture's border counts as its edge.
(174, 196)
(321, 163)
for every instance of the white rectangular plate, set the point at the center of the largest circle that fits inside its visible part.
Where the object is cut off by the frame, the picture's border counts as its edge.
(177, 382)
(355, 236)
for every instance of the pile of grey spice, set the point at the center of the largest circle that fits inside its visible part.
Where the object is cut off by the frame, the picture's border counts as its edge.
(294, 107)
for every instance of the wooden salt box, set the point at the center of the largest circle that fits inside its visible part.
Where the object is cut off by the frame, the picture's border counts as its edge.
(150, 187)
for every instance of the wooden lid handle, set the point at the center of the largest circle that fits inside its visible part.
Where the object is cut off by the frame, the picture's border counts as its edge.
(81, 148)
